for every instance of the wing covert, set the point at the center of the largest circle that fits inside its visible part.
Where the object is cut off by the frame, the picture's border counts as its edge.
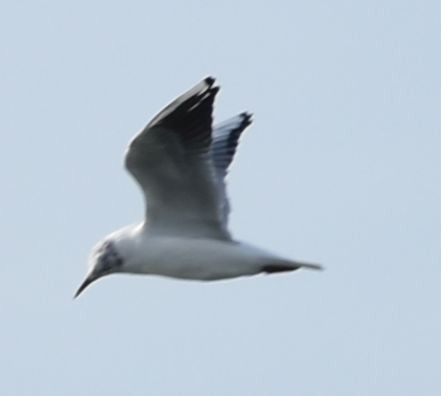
(171, 161)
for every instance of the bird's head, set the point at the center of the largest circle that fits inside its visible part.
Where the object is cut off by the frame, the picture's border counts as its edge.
(104, 260)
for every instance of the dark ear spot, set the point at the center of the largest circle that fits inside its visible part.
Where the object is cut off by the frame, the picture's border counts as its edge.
(110, 260)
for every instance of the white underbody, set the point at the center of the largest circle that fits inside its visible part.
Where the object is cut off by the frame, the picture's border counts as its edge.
(190, 258)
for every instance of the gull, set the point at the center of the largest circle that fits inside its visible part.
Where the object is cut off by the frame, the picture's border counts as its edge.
(180, 161)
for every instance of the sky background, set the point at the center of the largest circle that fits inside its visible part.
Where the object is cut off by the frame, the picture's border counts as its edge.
(342, 166)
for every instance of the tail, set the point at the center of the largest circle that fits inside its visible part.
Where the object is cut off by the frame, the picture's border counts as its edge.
(283, 266)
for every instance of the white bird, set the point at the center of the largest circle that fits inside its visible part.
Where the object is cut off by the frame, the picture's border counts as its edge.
(180, 162)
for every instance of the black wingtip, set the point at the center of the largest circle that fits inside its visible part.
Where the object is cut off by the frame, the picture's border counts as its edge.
(247, 119)
(209, 80)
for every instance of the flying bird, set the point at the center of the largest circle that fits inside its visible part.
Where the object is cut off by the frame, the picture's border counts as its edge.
(180, 161)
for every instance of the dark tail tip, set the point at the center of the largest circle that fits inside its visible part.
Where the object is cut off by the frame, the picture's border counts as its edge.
(273, 268)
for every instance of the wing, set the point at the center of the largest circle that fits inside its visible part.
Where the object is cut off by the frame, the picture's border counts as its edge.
(171, 159)
(225, 140)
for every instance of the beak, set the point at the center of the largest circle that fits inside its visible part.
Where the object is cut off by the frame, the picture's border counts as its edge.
(89, 279)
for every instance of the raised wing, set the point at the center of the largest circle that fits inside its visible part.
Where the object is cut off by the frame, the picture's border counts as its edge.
(223, 147)
(172, 161)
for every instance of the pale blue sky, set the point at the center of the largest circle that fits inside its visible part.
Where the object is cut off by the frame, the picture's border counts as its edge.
(342, 166)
